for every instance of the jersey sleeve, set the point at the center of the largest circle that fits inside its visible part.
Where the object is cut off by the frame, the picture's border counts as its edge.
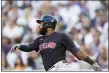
(69, 44)
(34, 45)
(30, 47)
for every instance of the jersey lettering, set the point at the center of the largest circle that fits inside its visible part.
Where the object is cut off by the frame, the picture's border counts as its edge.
(47, 45)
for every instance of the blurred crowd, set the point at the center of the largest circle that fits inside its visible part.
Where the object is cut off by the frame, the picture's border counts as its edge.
(85, 22)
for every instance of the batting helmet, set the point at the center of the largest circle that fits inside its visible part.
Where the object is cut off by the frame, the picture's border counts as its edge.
(49, 19)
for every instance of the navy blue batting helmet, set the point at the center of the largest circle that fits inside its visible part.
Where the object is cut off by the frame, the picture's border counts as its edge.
(49, 19)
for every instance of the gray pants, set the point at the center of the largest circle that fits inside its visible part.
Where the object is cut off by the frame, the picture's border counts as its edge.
(61, 66)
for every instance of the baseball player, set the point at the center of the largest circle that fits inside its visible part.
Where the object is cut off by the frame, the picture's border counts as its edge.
(53, 45)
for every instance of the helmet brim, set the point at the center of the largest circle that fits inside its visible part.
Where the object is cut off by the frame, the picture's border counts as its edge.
(39, 21)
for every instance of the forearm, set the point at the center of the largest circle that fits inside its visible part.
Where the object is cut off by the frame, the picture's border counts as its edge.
(24, 48)
(82, 56)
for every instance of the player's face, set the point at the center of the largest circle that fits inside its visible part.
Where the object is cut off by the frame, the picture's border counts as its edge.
(42, 29)
(41, 25)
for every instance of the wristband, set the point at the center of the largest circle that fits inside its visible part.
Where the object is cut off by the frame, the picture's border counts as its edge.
(90, 61)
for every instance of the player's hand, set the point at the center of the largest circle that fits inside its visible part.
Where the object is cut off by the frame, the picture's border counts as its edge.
(14, 47)
(96, 67)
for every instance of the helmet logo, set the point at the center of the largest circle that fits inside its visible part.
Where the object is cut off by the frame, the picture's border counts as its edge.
(52, 20)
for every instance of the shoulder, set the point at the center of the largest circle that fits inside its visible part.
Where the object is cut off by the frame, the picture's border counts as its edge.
(38, 38)
(64, 35)
(61, 34)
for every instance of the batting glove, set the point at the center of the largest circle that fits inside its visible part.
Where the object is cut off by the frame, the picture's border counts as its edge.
(14, 47)
(96, 67)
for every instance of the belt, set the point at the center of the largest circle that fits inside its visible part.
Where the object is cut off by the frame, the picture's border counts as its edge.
(63, 61)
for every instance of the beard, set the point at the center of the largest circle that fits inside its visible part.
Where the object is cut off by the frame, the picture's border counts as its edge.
(43, 31)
